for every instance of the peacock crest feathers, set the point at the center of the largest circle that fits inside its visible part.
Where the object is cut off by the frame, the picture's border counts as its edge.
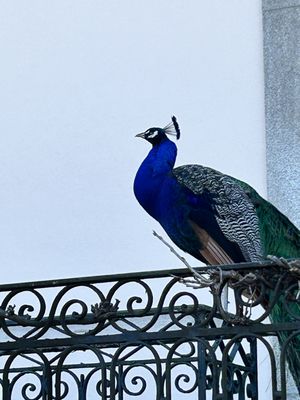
(173, 128)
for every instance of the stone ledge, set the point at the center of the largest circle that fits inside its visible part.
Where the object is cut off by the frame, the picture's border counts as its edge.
(269, 5)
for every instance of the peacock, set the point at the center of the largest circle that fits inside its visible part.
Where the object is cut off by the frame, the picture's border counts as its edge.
(214, 217)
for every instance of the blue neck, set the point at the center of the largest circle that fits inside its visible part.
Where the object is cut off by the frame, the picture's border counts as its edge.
(152, 174)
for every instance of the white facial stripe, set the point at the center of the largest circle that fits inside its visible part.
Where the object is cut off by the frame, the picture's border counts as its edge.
(153, 134)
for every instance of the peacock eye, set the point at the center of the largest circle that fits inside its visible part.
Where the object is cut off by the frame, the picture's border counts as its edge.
(153, 134)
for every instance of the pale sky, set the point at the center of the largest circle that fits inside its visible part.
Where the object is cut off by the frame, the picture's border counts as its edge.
(78, 80)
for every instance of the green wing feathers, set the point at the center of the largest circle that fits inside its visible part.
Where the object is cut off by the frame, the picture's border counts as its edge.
(278, 234)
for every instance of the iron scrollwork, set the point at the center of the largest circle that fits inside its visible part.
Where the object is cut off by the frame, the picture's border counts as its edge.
(145, 334)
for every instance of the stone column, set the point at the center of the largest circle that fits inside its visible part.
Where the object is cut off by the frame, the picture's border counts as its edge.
(281, 24)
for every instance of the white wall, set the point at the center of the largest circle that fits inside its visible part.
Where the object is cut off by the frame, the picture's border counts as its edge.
(78, 80)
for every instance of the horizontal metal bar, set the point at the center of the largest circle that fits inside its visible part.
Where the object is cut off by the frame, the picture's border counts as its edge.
(180, 272)
(151, 337)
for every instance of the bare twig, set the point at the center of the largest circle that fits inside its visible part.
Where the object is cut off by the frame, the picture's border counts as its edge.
(200, 280)
(293, 266)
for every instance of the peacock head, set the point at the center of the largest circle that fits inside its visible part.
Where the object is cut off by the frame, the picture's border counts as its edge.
(157, 135)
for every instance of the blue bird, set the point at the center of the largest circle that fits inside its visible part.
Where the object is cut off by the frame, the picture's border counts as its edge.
(214, 217)
(204, 212)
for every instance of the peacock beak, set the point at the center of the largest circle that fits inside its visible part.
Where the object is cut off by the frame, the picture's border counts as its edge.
(141, 135)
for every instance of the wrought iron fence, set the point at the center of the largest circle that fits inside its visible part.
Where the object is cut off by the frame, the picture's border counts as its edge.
(147, 336)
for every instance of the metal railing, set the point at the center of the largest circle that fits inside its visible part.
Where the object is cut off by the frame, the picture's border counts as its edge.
(147, 336)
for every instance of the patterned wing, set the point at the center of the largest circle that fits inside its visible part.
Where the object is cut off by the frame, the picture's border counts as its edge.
(234, 212)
